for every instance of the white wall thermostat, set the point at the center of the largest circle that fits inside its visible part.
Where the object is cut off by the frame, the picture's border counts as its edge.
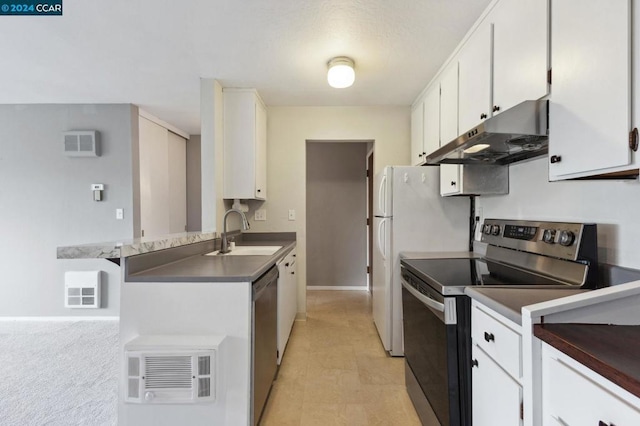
(97, 189)
(82, 289)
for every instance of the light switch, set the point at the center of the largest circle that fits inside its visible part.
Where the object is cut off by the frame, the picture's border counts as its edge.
(119, 214)
(292, 214)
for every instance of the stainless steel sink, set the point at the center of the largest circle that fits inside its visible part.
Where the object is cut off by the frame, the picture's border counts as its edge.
(249, 251)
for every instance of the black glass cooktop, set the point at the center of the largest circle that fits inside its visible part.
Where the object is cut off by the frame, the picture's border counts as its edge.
(446, 275)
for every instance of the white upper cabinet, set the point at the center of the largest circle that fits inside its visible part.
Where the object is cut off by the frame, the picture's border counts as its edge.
(245, 145)
(475, 78)
(432, 119)
(590, 102)
(449, 173)
(521, 46)
(417, 133)
(425, 125)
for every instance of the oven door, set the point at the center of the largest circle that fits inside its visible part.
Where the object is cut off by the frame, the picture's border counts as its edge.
(431, 354)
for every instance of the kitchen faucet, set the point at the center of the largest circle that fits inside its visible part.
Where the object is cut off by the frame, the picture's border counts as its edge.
(224, 247)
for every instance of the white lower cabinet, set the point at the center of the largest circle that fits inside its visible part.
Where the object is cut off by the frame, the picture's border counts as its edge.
(287, 300)
(572, 394)
(496, 368)
(496, 396)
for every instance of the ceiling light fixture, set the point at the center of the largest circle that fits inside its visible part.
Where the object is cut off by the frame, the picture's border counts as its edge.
(341, 73)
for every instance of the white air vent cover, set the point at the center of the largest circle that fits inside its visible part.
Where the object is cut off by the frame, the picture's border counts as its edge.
(82, 289)
(81, 143)
(171, 369)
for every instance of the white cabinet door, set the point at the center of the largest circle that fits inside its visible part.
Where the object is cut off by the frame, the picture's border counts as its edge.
(496, 397)
(432, 119)
(449, 104)
(521, 40)
(573, 395)
(475, 78)
(287, 300)
(417, 134)
(245, 145)
(450, 183)
(590, 103)
(261, 151)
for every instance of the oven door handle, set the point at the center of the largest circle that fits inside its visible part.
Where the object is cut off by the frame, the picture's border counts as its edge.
(436, 307)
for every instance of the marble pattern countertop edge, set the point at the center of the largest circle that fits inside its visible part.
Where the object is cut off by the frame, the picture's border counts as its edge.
(132, 247)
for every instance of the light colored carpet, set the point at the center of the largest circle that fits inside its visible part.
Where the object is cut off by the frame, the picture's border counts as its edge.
(58, 373)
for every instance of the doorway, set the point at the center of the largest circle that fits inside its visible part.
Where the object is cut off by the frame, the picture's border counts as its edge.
(336, 215)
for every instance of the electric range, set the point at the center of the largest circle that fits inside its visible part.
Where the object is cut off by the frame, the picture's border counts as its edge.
(436, 313)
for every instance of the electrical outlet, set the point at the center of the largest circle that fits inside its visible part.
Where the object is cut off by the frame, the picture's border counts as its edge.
(260, 214)
(292, 214)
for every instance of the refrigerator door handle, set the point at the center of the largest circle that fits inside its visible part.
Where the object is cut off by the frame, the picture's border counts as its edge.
(381, 245)
(382, 196)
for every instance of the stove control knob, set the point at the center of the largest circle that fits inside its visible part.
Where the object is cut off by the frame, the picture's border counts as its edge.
(495, 230)
(486, 229)
(566, 238)
(549, 236)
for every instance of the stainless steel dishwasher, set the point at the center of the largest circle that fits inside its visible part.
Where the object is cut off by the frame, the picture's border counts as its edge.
(264, 335)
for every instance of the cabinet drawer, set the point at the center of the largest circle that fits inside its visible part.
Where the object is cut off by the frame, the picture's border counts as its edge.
(499, 341)
(575, 395)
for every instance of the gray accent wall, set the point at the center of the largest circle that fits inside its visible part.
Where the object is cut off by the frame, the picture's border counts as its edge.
(336, 214)
(46, 201)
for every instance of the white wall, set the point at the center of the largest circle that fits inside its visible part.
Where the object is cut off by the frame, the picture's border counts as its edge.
(288, 129)
(46, 202)
(613, 205)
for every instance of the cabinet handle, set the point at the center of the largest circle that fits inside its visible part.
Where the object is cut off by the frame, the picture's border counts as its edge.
(601, 423)
(474, 363)
(453, 183)
(483, 116)
(286, 264)
(496, 108)
(489, 337)
(293, 273)
(420, 155)
(259, 190)
(555, 159)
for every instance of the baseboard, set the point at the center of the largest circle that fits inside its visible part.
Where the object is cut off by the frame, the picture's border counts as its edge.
(52, 319)
(301, 316)
(342, 287)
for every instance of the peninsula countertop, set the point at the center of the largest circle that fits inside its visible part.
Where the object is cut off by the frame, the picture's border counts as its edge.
(132, 247)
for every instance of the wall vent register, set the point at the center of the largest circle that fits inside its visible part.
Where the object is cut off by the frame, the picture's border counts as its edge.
(81, 143)
(171, 369)
(82, 289)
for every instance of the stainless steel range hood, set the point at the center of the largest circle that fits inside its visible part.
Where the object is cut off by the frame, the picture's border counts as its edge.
(514, 135)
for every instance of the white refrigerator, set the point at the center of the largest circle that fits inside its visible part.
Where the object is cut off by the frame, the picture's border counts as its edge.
(409, 215)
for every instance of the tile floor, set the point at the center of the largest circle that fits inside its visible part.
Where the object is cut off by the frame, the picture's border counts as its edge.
(335, 371)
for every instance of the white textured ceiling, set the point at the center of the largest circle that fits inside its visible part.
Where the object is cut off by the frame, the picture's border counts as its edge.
(153, 52)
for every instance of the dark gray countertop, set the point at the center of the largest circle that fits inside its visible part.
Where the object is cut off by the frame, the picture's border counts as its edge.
(508, 301)
(201, 268)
